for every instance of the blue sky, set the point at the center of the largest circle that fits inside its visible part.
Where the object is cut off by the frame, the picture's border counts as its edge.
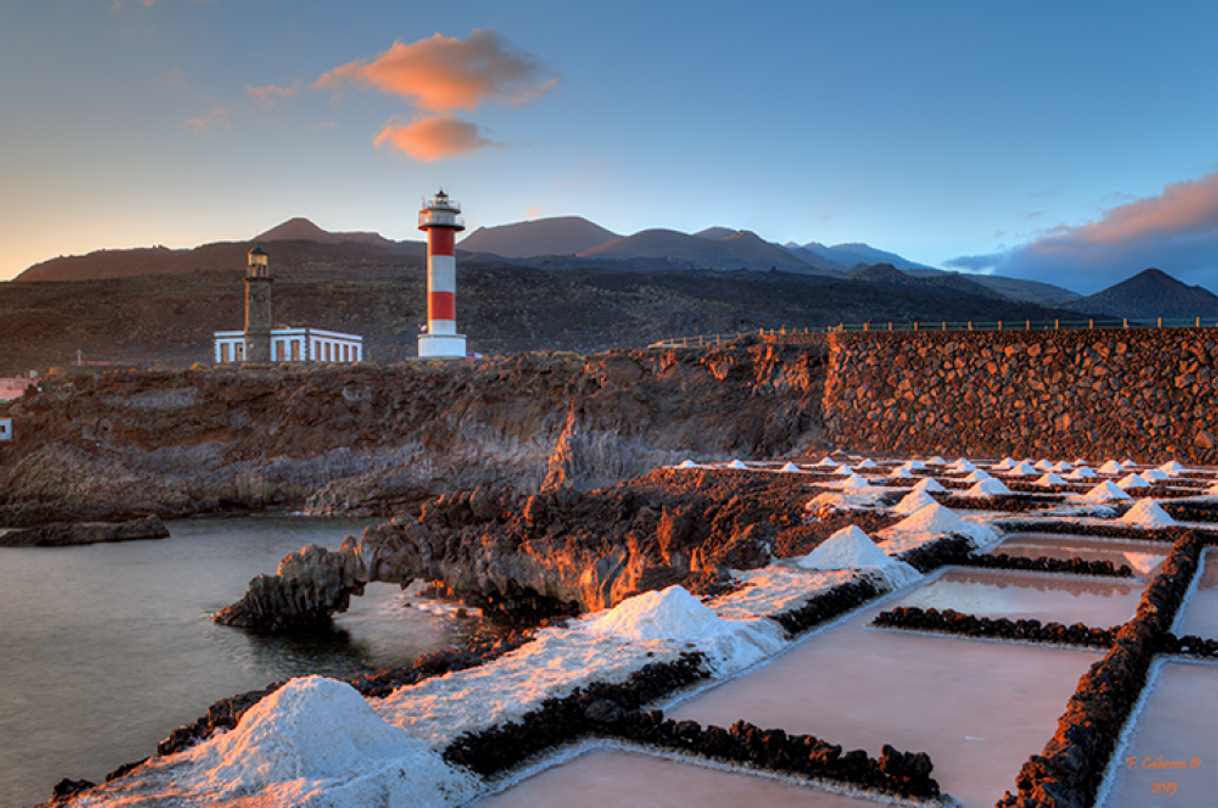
(1070, 142)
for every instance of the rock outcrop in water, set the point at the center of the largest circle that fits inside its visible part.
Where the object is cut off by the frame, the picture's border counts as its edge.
(559, 551)
(375, 440)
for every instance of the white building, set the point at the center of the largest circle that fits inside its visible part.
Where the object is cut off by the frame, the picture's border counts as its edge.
(294, 345)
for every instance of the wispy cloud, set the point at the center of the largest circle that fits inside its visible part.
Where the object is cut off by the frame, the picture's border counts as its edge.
(268, 94)
(217, 117)
(1176, 231)
(440, 74)
(434, 137)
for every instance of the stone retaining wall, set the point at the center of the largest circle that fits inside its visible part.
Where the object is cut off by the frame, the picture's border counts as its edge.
(1147, 394)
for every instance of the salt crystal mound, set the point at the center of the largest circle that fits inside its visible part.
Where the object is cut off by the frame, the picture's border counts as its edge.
(977, 476)
(1155, 475)
(1081, 473)
(1132, 481)
(913, 501)
(827, 462)
(866, 463)
(1172, 468)
(1050, 479)
(317, 742)
(962, 464)
(929, 485)
(854, 483)
(1144, 563)
(1022, 470)
(1063, 466)
(915, 465)
(1004, 464)
(936, 461)
(843, 470)
(736, 464)
(1148, 513)
(1111, 467)
(1043, 465)
(987, 488)
(674, 614)
(931, 522)
(1105, 492)
(849, 549)
(687, 464)
(1128, 463)
(900, 471)
(855, 499)
(790, 467)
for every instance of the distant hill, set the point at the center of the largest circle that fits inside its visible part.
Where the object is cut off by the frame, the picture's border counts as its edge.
(741, 250)
(853, 254)
(1042, 294)
(951, 283)
(1150, 294)
(558, 235)
(716, 233)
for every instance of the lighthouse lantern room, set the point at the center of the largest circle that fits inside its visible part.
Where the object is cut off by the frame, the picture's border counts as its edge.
(442, 221)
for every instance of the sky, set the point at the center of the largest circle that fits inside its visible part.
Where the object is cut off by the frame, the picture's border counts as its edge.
(1069, 142)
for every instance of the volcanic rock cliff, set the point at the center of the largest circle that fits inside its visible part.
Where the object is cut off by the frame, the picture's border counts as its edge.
(379, 440)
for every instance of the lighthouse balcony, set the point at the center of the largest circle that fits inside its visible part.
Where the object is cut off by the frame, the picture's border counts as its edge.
(440, 218)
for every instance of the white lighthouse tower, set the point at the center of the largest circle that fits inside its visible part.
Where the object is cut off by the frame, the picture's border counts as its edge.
(441, 221)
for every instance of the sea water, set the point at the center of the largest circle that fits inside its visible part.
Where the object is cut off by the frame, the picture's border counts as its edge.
(106, 648)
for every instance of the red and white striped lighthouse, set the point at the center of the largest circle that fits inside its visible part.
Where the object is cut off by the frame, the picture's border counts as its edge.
(441, 221)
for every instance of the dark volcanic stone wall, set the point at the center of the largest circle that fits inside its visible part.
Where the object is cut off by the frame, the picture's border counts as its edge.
(1148, 394)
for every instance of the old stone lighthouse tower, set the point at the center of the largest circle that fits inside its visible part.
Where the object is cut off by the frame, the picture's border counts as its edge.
(258, 317)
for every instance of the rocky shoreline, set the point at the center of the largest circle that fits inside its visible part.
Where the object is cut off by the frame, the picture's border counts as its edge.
(67, 534)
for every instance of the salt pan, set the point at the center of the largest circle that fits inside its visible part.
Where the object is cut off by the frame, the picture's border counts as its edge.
(1148, 513)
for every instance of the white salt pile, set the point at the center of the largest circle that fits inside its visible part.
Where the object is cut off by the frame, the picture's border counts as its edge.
(851, 548)
(317, 742)
(1081, 473)
(900, 471)
(865, 463)
(843, 470)
(936, 461)
(928, 484)
(1062, 467)
(687, 464)
(1043, 465)
(1212, 490)
(987, 488)
(1111, 467)
(790, 467)
(962, 464)
(913, 501)
(977, 476)
(1155, 475)
(1148, 513)
(1004, 464)
(1024, 469)
(1132, 481)
(932, 522)
(854, 483)
(1105, 492)
(674, 614)
(1172, 468)
(853, 500)
(915, 465)
(737, 464)
(1144, 563)
(827, 462)
(1050, 479)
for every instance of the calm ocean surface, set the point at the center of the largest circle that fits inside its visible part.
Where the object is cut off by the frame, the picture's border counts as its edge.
(105, 649)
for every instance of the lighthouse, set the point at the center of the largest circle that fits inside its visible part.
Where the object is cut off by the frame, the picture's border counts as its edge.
(441, 219)
(258, 317)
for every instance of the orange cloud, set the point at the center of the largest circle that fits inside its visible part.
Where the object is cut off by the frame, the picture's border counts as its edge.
(431, 139)
(442, 73)
(209, 120)
(1181, 207)
(267, 94)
